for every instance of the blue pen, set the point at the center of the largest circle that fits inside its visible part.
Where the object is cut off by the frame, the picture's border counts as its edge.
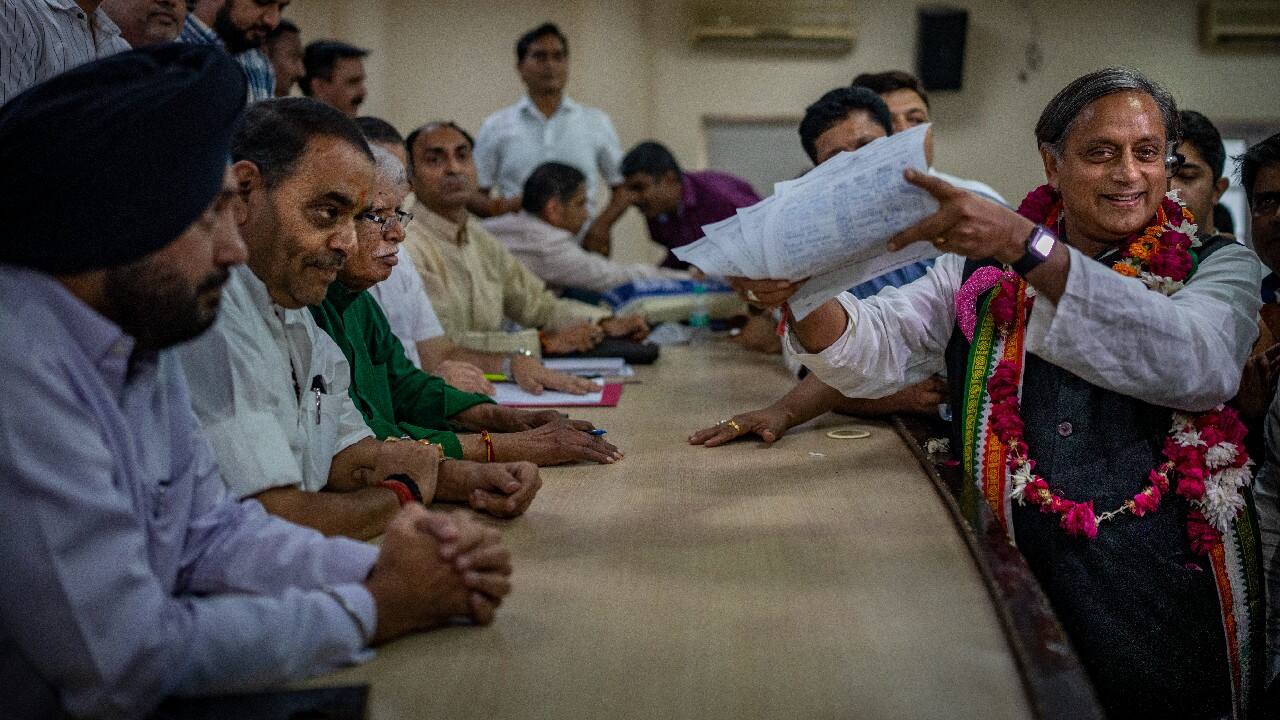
(598, 432)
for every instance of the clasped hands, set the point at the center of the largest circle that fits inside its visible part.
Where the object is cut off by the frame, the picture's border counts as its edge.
(435, 568)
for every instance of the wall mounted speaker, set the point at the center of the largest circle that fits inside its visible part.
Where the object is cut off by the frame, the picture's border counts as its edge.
(940, 47)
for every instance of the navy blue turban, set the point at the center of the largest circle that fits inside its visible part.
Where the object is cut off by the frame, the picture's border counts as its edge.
(114, 159)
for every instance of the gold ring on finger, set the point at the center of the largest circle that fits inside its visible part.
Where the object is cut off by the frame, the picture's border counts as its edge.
(734, 424)
(939, 241)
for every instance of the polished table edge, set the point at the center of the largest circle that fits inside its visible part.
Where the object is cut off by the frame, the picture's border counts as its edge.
(1056, 684)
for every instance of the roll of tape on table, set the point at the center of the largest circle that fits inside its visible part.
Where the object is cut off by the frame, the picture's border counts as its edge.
(848, 434)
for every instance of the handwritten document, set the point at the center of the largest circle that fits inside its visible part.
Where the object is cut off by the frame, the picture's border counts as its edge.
(829, 225)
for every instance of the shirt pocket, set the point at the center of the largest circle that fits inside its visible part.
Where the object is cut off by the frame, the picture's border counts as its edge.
(320, 416)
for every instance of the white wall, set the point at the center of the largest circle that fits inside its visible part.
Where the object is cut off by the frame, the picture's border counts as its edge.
(454, 59)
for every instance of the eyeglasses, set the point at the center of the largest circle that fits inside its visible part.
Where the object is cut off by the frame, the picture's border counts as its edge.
(384, 223)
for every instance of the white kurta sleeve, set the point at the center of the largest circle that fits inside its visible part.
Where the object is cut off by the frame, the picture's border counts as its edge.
(1183, 351)
(894, 339)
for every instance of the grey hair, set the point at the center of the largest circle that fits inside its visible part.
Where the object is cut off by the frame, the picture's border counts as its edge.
(1061, 112)
(389, 169)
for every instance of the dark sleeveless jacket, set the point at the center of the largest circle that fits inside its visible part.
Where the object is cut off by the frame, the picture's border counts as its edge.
(1140, 608)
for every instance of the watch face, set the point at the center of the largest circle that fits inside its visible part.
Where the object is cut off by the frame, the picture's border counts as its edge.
(1042, 244)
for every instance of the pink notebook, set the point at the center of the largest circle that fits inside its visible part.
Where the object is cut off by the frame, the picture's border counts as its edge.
(510, 395)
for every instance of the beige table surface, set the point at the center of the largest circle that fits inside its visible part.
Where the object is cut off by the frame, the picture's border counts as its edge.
(818, 578)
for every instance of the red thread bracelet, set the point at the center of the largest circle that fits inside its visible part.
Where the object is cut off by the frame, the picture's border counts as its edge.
(400, 489)
(488, 445)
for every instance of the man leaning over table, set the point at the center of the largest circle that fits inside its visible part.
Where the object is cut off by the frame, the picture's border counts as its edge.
(541, 235)
(475, 283)
(1090, 340)
(399, 400)
(130, 574)
(268, 385)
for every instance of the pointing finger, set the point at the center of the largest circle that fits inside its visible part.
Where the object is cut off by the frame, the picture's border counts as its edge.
(940, 189)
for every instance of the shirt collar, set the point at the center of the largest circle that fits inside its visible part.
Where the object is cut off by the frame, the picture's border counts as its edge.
(194, 30)
(567, 105)
(101, 340)
(105, 25)
(340, 296)
(256, 289)
(440, 225)
(535, 225)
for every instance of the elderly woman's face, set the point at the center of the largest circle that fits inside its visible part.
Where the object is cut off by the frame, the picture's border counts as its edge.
(1112, 173)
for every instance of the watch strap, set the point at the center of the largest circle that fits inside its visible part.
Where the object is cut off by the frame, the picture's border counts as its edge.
(1030, 260)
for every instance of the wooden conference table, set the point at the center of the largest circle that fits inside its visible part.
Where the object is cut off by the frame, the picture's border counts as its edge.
(818, 578)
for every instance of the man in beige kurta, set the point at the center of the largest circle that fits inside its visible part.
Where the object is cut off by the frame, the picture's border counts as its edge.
(474, 282)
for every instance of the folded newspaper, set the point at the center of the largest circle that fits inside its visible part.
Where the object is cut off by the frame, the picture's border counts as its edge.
(830, 225)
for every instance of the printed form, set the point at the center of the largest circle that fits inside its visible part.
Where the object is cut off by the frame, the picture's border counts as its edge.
(829, 225)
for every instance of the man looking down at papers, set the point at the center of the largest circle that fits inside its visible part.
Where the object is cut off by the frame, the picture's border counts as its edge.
(541, 236)
(397, 399)
(474, 282)
(131, 575)
(842, 120)
(1090, 339)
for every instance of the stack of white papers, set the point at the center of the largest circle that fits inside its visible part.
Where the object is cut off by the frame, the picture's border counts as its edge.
(830, 225)
(591, 366)
(511, 394)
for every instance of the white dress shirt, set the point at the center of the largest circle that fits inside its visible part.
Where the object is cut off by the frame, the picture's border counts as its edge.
(517, 139)
(1183, 351)
(408, 309)
(556, 257)
(42, 38)
(270, 388)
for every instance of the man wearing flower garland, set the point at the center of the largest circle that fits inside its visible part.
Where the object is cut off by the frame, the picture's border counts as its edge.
(1089, 340)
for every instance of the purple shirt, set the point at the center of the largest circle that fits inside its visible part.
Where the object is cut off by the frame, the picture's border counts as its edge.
(129, 573)
(708, 197)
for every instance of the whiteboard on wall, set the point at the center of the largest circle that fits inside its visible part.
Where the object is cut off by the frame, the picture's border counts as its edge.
(760, 150)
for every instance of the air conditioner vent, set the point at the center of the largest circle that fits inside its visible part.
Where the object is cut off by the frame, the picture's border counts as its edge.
(1244, 24)
(811, 26)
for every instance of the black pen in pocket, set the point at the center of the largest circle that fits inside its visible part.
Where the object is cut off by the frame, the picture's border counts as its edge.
(317, 387)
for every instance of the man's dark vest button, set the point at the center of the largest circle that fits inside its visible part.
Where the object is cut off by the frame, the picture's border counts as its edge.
(1064, 429)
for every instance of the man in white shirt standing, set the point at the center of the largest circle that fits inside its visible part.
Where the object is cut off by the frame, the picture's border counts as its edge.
(546, 124)
(41, 38)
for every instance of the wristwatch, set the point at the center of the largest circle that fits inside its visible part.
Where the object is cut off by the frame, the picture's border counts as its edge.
(1039, 244)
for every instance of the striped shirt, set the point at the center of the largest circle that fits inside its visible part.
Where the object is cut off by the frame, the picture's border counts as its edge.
(257, 69)
(41, 38)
